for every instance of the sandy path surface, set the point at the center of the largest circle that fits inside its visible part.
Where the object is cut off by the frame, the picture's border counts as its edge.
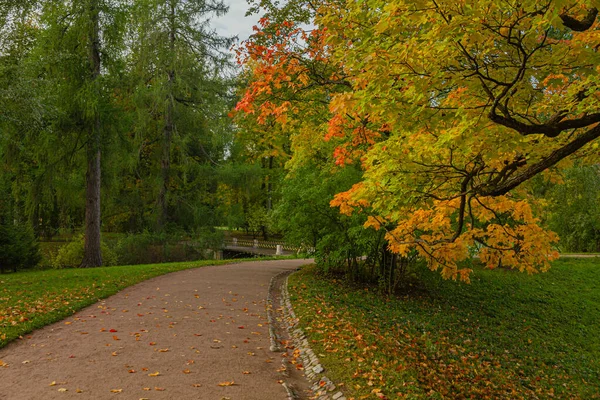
(178, 336)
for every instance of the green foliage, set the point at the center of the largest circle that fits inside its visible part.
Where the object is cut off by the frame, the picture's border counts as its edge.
(505, 336)
(147, 247)
(19, 248)
(575, 209)
(71, 254)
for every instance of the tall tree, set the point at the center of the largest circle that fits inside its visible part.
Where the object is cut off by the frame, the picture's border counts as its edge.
(180, 62)
(92, 255)
(449, 108)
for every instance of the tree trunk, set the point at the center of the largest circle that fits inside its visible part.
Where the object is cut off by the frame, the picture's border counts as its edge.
(92, 256)
(163, 203)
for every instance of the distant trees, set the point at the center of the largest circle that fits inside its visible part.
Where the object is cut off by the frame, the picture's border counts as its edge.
(102, 94)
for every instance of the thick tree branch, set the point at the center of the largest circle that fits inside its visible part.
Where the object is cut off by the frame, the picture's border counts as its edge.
(545, 163)
(583, 25)
(551, 129)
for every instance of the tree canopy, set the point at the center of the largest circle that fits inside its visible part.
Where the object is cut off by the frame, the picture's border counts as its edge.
(449, 109)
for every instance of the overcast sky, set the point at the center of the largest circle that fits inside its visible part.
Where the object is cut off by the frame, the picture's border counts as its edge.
(235, 23)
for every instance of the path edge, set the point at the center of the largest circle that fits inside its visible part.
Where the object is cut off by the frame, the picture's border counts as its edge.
(322, 387)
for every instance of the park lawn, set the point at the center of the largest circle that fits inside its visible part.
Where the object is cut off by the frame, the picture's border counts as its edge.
(507, 335)
(32, 299)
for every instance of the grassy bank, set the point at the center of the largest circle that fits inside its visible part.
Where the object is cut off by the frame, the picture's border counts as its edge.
(505, 336)
(30, 300)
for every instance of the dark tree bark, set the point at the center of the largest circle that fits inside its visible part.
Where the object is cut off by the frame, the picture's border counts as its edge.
(92, 256)
(163, 203)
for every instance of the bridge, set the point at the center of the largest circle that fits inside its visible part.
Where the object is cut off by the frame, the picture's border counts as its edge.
(236, 248)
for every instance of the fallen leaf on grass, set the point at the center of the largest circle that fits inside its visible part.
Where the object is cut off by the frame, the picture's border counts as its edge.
(227, 383)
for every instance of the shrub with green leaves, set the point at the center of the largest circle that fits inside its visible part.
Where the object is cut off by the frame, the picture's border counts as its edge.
(71, 254)
(19, 248)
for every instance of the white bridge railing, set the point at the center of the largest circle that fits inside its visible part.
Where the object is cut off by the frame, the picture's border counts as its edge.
(278, 246)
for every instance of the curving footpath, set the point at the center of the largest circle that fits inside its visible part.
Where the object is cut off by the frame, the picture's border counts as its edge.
(194, 334)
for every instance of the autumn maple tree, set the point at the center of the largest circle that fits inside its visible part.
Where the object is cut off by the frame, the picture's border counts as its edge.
(450, 108)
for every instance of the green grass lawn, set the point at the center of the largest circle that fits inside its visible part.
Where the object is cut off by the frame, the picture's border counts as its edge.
(30, 300)
(505, 336)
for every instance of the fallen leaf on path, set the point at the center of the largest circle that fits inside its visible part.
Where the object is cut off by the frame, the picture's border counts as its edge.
(26, 362)
(62, 390)
(163, 350)
(197, 385)
(159, 389)
(132, 371)
(78, 391)
(115, 337)
(246, 372)
(116, 390)
(113, 330)
(114, 353)
(154, 374)
(227, 383)
(187, 371)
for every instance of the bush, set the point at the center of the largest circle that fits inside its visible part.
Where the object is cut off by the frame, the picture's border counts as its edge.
(18, 247)
(71, 254)
(150, 248)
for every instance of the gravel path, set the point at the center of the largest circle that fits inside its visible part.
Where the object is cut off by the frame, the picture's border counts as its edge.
(194, 334)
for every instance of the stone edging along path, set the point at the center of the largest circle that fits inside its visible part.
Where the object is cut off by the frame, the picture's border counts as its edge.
(284, 328)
